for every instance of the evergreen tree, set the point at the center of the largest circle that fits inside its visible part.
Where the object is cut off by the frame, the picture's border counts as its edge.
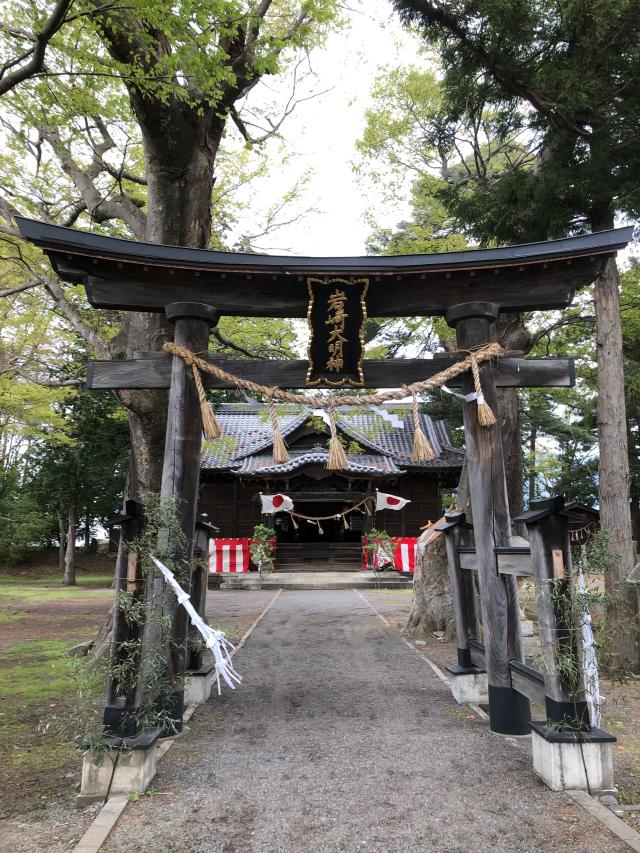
(563, 75)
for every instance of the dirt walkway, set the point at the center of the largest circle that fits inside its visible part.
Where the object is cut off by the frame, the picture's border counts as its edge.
(342, 738)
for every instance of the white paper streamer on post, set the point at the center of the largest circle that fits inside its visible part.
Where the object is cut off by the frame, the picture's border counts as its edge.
(589, 659)
(217, 641)
(468, 398)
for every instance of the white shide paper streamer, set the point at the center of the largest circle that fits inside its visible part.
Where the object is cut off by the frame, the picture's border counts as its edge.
(217, 641)
(589, 659)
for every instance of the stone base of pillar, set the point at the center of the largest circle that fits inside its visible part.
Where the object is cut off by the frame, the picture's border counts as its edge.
(531, 647)
(565, 763)
(197, 685)
(470, 687)
(127, 768)
(526, 626)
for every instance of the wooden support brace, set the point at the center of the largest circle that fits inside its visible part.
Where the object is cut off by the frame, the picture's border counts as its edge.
(461, 584)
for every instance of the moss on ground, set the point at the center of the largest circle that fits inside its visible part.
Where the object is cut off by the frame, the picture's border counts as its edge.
(37, 683)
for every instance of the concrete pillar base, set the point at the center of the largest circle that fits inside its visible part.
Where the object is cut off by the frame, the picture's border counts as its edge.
(526, 626)
(134, 769)
(561, 761)
(470, 687)
(197, 686)
(531, 647)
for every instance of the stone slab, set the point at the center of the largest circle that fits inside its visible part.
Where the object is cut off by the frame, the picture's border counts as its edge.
(197, 687)
(119, 772)
(470, 688)
(573, 766)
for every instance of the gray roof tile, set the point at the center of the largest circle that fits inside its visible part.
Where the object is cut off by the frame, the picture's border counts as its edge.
(246, 432)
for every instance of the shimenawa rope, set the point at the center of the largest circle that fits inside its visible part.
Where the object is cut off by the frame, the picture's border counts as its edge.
(422, 449)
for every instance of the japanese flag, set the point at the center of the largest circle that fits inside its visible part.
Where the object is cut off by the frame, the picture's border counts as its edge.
(275, 503)
(389, 502)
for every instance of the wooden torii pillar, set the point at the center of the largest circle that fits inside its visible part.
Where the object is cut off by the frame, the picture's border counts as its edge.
(509, 711)
(180, 480)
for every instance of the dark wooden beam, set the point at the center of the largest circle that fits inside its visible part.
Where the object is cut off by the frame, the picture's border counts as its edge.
(530, 287)
(147, 277)
(153, 370)
(527, 681)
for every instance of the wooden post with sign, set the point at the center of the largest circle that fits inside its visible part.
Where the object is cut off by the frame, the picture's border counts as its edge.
(508, 711)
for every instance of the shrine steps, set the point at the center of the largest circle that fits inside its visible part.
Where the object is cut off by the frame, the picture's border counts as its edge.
(318, 580)
(318, 556)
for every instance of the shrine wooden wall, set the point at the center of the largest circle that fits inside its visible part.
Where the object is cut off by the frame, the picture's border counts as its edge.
(233, 507)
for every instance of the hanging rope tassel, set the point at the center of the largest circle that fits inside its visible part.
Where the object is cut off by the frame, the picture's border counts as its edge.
(337, 460)
(210, 426)
(280, 452)
(422, 449)
(346, 522)
(485, 415)
(296, 526)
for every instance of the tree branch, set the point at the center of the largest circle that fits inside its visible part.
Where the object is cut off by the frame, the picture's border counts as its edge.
(52, 286)
(227, 342)
(437, 13)
(101, 209)
(22, 287)
(42, 38)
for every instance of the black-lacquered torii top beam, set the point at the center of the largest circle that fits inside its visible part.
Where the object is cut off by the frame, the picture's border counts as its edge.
(136, 276)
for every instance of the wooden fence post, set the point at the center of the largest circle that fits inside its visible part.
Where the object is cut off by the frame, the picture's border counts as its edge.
(461, 592)
(567, 751)
(469, 682)
(198, 678)
(118, 719)
(508, 711)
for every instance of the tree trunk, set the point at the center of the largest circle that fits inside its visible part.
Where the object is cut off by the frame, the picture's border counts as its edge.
(614, 480)
(62, 535)
(533, 435)
(70, 553)
(431, 607)
(87, 531)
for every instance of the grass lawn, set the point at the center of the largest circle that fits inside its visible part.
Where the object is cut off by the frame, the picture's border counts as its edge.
(40, 620)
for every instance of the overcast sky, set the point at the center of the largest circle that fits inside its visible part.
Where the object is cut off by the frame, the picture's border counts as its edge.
(321, 134)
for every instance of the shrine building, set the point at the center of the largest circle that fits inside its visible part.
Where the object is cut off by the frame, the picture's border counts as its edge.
(239, 465)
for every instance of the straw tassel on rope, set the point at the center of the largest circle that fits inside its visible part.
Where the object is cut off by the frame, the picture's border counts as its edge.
(422, 449)
(210, 425)
(337, 460)
(280, 452)
(485, 415)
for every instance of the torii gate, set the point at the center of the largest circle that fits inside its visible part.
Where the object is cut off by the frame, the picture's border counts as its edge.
(469, 288)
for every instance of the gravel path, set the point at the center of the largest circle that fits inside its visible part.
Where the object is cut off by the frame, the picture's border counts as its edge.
(342, 739)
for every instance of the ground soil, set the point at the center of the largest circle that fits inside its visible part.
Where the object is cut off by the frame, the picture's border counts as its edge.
(336, 719)
(342, 738)
(621, 712)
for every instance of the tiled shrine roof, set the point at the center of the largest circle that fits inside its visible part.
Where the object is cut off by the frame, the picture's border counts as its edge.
(384, 434)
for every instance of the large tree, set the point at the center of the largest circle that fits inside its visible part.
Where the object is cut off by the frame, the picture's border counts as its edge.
(128, 118)
(567, 75)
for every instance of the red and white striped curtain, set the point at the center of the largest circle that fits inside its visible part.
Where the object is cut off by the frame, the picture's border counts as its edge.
(404, 556)
(228, 556)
